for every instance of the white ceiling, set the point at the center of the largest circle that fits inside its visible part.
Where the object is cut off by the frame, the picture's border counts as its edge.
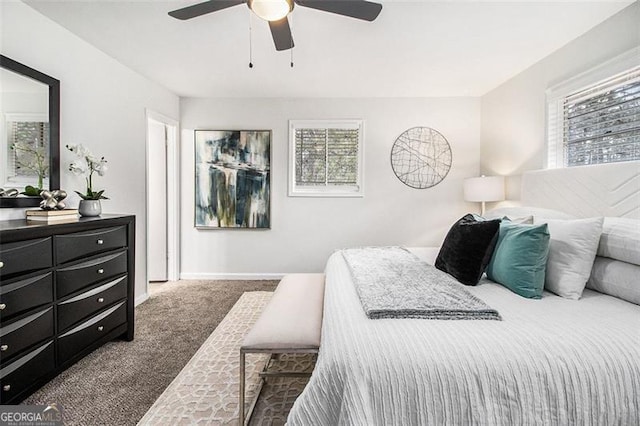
(413, 49)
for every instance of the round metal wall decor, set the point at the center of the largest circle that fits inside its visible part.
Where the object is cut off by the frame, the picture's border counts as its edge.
(421, 157)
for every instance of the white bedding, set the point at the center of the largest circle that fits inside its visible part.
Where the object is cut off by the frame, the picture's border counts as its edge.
(551, 361)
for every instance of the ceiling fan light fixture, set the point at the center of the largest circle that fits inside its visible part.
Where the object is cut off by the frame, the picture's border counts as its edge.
(271, 10)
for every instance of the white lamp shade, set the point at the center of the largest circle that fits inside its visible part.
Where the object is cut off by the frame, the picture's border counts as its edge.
(485, 188)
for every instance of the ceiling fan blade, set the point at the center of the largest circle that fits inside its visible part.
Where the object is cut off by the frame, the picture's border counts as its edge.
(281, 33)
(203, 8)
(359, 9)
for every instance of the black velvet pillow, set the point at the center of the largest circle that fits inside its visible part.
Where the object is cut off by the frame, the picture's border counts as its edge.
(467, 248)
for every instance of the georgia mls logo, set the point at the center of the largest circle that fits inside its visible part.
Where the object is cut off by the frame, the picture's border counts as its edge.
(31, 415)
(52, 413)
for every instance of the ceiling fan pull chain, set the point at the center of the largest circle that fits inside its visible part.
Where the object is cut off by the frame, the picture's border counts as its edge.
(291, 50)
(250, 42)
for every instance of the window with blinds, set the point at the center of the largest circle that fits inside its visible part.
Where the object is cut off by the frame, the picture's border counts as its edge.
(30, 133)
(326, 158)
(597, 124)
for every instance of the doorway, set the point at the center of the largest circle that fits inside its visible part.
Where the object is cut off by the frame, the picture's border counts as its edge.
(162, 188)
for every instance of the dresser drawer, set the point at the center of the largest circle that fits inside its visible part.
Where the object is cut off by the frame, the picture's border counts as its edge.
(20, 296)
(25, 256)
(78, 338)
(81, 244)
(73, 310)
(75, 277)
(25, 332)
(21, 373)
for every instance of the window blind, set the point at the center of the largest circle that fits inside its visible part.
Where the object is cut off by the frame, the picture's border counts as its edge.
(311, 156)
(34, 133)
(601, 123)
(326, 157)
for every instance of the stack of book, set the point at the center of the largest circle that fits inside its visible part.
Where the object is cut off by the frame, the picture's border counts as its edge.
(50, 216)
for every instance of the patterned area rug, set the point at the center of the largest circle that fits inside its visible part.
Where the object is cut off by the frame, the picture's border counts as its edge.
(206, 390)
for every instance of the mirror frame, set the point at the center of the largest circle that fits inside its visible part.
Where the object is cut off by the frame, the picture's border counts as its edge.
(54, 130)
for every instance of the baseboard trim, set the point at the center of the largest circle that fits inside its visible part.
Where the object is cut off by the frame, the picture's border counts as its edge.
(230, 276)
(142, 298)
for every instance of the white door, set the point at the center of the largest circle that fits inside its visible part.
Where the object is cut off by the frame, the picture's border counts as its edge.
(157, 200)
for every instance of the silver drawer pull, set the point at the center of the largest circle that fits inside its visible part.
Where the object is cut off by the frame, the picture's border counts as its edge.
(1, 264)
(3, 348)
(100, 242)
(6, 388)
(3, 306)
(100, 328)
(101, 271)
(100, 299)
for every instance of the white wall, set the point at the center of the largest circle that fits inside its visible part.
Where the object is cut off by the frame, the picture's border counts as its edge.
(513, 114)
(306, 230)
(102, 106)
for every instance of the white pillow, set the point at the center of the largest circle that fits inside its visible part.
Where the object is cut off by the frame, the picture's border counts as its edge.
(572, 249)
(620, 239)
(524, 220)
(615, 278)
(536, 212)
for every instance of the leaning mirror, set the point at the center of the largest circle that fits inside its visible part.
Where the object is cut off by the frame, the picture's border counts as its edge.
(29, 134)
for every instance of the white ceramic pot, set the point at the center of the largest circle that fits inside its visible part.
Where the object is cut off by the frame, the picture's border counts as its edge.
(90, 208)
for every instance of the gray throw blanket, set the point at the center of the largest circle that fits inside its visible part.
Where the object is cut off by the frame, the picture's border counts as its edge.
(394, 283)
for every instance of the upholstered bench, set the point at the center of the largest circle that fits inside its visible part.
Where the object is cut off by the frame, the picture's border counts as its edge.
(290, 323)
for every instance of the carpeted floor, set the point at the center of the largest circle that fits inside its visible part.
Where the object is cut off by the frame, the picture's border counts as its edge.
(117, 383)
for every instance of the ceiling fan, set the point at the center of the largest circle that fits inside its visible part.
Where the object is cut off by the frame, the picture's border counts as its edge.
(276, 12)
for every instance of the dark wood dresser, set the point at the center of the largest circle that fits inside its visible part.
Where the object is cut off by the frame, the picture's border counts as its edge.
(65, 289)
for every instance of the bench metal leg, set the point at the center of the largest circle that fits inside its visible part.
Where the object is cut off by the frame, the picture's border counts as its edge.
(242, 383)
(244, 417)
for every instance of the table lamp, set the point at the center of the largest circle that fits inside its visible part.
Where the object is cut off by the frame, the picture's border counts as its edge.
(483, 189)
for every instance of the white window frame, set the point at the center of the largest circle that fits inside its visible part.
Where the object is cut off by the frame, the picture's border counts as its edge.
(328, 190)
(555, 97)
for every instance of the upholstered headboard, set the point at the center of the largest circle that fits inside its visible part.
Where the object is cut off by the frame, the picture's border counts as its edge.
(600, 190)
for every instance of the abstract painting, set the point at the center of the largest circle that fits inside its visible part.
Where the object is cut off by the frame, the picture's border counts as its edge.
(233, 179)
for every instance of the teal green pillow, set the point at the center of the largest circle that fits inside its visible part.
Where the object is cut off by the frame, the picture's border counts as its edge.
(519, 260)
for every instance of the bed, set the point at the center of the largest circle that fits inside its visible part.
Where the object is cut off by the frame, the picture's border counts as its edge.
(551, 361)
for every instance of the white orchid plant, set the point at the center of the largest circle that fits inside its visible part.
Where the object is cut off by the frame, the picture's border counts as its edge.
(33, 157)
(86, 164)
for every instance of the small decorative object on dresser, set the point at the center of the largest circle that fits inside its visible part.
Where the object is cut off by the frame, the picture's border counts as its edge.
(87, 164)
(65, 290)
(90, 208)
(9, 192)
(49, 216)
(53, 200)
